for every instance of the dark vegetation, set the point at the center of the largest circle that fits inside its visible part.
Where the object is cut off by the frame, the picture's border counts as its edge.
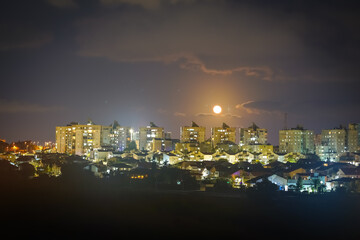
(77, 204)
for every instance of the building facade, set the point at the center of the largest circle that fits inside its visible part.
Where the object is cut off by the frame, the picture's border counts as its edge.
(147, 134)
(193, 133)
(352, 137)
(80, 139)
(335, 139)
(253, 135)
(297, 140)
(223, 134)
(120, 136)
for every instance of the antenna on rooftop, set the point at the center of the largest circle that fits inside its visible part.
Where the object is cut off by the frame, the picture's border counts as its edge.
(285, 121)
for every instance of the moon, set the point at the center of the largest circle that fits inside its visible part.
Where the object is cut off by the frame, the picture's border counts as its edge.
(217, 109)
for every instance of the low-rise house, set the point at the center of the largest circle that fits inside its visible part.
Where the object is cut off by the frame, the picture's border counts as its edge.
(350, 184)
(170, 158)
(348, 173)
(292, 171)
(98, 169)
(102, 154)
(280, 181)
(293, 157)
(245, 156)
(120, 167)
(267, 157)
(241, 177)
(330, 169)
(350, 158)
(209, 173)
(140, 155)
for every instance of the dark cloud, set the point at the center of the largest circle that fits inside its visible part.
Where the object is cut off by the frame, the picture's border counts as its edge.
(22, 36)
(9, 107)
(223, 115)
(286, 42)
(63, 3)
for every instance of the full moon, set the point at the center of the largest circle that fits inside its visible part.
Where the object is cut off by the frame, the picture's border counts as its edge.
(217, 109)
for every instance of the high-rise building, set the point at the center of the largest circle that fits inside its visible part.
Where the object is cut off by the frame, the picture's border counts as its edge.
(298, 140)
(120, 136)
(81, 139)
(147, 134)
(222, 134)
(253, 135)
(352, 137)
(340, 140)
(192, 133)
(335, 139)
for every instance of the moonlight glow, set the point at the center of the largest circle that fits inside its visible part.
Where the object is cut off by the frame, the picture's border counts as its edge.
(217, 109)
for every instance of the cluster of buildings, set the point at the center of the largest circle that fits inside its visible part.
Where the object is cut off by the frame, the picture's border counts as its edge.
(301, 154)
(97, 142)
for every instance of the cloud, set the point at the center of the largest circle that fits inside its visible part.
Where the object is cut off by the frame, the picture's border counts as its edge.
(63, 3)
(225, 115)
(260, 107)
(22, 107)
(179, 114)
(147, 4)
(242, 42)
(161, 111)
(18, 36)
(191, 62)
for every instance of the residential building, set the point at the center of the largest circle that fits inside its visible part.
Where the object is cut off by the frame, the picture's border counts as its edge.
(352, 137)
(258, 148)
(222, 134)
(120, 136)
(192, 133)
(335, 139)
(81, 139)
(147, 134)
(186, 147)
(253, 135)
(161, 144)
(297, 140)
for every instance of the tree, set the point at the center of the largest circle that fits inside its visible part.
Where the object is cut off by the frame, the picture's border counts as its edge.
(265, 186)
(316, 184)
(222, 184)
(299, 184)
(131, 146)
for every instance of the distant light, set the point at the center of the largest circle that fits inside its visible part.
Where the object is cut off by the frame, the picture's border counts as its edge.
(217, 109)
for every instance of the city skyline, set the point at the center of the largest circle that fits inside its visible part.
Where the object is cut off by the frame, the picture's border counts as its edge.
(170, 62)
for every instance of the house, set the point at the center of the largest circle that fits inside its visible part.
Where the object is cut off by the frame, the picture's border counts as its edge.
(242, 177)
(293, 157)
(350, 184)
(348, 173)
(140, 155)
(330, 169)
(220, 155)
(98, 169)
(252, 182)
(350, 158)
(245, 156)
(291, 171)
(267, 157)
(209, 173)
(281, 182)
(170, 158)
(120, 167)
(102, 154)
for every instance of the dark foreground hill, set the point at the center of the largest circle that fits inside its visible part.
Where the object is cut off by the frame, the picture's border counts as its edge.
(76, 209)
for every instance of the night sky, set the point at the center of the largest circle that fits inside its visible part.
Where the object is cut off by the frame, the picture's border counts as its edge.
(170, 61)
